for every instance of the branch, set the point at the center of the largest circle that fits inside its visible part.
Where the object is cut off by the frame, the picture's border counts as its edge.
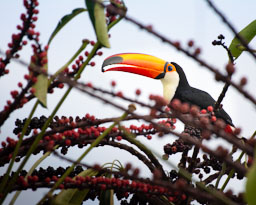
(225, 20)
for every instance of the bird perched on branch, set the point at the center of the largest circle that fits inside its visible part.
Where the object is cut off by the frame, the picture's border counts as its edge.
(172, 76)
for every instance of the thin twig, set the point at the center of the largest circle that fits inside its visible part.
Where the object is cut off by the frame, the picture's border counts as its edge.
(232, 28)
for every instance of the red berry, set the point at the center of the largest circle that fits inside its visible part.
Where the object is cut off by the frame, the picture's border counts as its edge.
(113, 18)
(34, 18)
(213, 119)
(35, 178)
(171, 199)
(74, 67)
(31, 32)
(47, 138)
(61, 186)
(136, 172)
(73, 124)
(228, 129)
(8, 52)
(89, 85)
(35, 132)
(92, 43)
(10, 45)
(100, 53)
(183, 197)
(119, 94)
(250, 161)
(92, 64)
(81, 58)
(19, 27)
(14, 93)
(4, 144)
(150, 27)
(35, 11)
(194, 110)
(60, 85)
(113, 83)
(203, 111)
(34, 79)
(32, 25)
(32, 90)
(149, 137)
(43, 54)
(210, 108)
(103, 186)
(68, 142)
(44, 61)
(54, 178)
(119, 138)
(47, 180)
(197, 51)
(138, 92)
(176, 104)
(176, 44)
(20, 84)
(2, 65)
(46, 47)
(184, 108)
(190, 43)
(167, 109)
(174, 149)
(27, 77)
(24, 100)
(243, 81)
(204, 120)
(23, 17)
(230, 69)
(86, 53)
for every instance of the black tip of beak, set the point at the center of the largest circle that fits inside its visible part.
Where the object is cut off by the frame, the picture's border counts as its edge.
(110, 61)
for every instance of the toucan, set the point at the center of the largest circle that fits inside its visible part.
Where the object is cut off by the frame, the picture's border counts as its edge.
(172, 76)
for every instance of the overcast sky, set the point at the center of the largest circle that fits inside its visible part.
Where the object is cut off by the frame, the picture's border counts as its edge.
(178, 20)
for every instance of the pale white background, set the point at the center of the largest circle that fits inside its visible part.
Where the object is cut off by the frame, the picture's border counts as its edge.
(178, 20)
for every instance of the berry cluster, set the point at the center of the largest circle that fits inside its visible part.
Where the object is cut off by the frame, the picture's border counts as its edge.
(122, 187)
(177, 146)
(67, 131)
(25, 29)
(110, 15)
(36, 123)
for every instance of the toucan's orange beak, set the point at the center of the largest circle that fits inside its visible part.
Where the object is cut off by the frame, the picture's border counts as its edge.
(137, 63)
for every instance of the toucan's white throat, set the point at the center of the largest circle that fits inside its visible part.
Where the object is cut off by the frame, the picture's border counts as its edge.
(170, 83)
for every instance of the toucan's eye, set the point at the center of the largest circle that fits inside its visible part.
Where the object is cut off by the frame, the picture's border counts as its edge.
(170, 68)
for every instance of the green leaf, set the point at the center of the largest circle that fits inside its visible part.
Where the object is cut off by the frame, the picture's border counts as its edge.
(247, 34)
(41, 85)
(251, 184)
(98, 19)
(107, 196)
(73, 196)
(64, 20)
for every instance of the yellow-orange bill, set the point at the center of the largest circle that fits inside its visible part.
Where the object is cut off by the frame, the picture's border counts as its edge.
(142, 64)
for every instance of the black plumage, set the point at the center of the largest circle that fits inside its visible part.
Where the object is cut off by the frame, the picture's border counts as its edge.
(188, 94)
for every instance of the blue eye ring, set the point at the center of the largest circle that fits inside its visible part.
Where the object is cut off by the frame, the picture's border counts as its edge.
(170, 68)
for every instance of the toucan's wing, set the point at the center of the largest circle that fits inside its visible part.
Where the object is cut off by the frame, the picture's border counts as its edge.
(202, 99)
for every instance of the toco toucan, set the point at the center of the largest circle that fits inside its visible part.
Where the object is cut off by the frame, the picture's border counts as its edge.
(172, 76)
